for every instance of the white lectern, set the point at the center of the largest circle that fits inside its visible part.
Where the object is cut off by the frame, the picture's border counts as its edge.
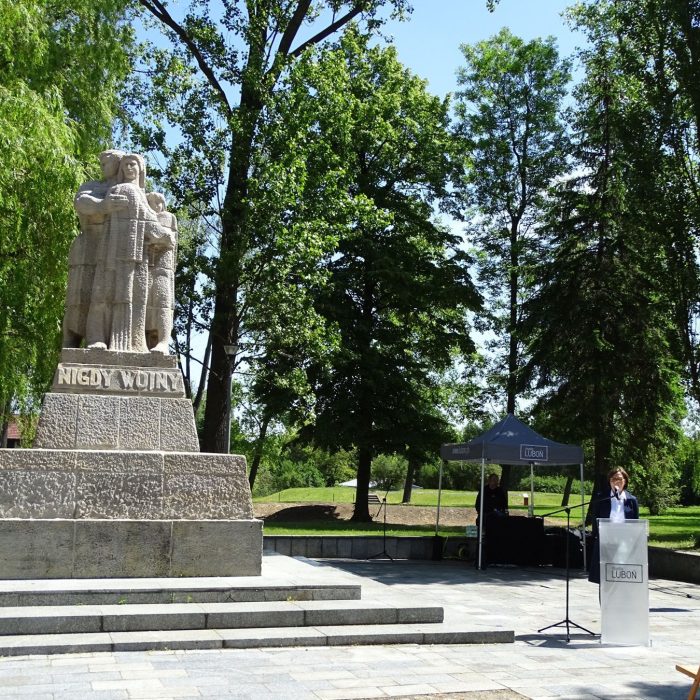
(624, 582)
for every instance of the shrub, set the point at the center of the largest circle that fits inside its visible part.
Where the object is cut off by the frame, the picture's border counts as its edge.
(334, 467)
(285, 474)
(288, 475)
(689, 462)
(552, 483)
(460, 476)
(389, 471)
(655, 482)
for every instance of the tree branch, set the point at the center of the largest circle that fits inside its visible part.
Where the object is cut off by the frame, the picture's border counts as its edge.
(293, 27)
(330, 29)
(158, 10)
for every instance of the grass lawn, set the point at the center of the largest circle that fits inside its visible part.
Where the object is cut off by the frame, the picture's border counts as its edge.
(676, 529)
(343, 527)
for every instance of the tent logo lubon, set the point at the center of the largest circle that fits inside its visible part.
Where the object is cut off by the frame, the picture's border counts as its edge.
(534, 453)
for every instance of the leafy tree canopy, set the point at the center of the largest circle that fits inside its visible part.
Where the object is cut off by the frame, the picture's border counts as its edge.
(397, 287)
(61, 64)
(213, 84)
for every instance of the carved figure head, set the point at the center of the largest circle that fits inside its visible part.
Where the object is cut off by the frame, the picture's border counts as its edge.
(133, 169)
(156, 201)
(109, 162)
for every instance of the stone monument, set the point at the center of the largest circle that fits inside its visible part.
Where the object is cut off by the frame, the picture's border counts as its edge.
(115, 485)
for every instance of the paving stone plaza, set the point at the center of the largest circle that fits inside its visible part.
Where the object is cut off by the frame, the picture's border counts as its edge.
(521, 599)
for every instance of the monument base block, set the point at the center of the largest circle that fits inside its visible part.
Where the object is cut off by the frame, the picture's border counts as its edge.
(137, 423)
(48, 549)
(94, 484)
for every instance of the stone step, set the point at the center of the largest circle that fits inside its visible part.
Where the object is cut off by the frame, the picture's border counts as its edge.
(87, 619)
(21, 645)
(129, 591)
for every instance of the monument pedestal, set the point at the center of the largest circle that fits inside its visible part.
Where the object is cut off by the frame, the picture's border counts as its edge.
(115, 548)
(117, 486)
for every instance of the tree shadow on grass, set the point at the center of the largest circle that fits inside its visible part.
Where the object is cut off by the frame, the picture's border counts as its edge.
(324, 519)
(305, 514)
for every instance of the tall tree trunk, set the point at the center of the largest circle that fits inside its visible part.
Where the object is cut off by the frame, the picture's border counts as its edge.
(411, 470)
(203, 378)
(217, 409)
(257, 455)
(364, 472)
(602, 446)
(365, 451)
(5, 418)
(689, 55)
(226, 323)
(567, 490)
(512, 380)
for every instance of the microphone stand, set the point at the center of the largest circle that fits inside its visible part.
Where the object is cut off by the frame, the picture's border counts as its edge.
(567, 621)
(383, 553)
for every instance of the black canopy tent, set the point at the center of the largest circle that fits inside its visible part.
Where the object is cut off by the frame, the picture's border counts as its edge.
(511, 442)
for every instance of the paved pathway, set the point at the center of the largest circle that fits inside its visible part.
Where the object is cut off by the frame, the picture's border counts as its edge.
(536, 666)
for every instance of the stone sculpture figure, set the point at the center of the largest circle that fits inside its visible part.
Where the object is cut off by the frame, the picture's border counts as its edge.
(161, 286)
(132, 230)
(93, 206)
(116, 319)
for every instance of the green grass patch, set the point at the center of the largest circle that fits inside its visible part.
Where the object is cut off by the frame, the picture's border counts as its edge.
(333, 494)
(676, 529)
(343, 527)
(419, 497)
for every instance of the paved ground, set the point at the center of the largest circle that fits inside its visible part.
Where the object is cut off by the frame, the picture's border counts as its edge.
(536, 666)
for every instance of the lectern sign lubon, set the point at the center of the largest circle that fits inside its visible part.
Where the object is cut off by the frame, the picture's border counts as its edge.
(624, 582)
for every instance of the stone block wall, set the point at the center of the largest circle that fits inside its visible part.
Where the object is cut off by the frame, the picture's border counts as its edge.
(110, 484)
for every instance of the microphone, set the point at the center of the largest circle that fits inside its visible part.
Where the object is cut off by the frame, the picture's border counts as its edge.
(617, 495)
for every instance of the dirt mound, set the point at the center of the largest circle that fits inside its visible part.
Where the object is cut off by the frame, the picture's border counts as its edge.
(395, 514)
(303, 513)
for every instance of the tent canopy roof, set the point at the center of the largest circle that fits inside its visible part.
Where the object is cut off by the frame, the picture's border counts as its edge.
(512, 442)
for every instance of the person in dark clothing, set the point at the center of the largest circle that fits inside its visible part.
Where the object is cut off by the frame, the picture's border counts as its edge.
(495, 506)
(616, 504)
(495, 499)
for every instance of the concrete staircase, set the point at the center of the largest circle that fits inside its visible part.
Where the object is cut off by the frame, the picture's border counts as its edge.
(69, 616)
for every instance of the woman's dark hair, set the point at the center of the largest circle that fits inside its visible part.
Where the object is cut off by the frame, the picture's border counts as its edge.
(619, 470)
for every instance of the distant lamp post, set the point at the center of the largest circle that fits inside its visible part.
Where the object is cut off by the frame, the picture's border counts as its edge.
(231, 352)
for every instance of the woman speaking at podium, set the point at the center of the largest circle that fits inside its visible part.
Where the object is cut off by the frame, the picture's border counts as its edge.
(618, 505)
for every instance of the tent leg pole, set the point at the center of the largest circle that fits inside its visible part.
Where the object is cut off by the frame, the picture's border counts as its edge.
(437, 515)
(583, 518)
(481, 520)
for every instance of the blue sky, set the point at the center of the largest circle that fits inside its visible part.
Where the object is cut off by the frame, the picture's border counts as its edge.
(428, 43)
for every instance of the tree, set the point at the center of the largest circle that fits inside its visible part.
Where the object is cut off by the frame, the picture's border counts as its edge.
(280, 390)
(389, 471)
(601, 336)
(62, 64)
(660, 42)
(397, 288)
(192, 301)
(214, 86)
(510, 125)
